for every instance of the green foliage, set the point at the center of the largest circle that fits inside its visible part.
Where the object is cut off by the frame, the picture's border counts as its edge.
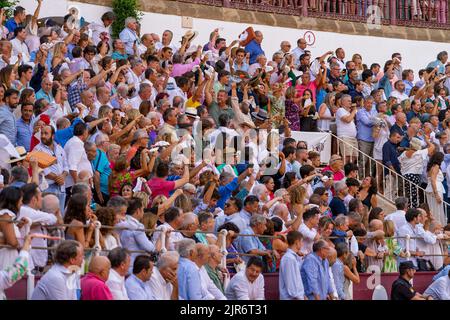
(124, 9)
(9, 7)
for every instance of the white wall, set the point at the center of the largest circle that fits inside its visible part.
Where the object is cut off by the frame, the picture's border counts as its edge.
(416, 54)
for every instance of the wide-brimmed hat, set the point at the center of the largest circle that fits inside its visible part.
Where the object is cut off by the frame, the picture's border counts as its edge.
(261, 115)
(22, 155)
(190, 35)
(248, 124)
(7, 146)
(191, 112)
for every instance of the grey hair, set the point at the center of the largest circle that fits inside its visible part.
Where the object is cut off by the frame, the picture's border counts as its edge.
(185, 247)
(340, 220)
(80, 188)
(100, 138)
(19, 174)
(279, 208)
(152, 115)
(113, 146)
(144, 86)
(257, 219)
(259, 189)
(280, 192)
(130, 20)
(225, 175)
(50, 203)
(88, 145)
(401, 203)
(339, 186)
(346, 96)
(320, 244)
(188, 218)
(167, 258)
(117, 202)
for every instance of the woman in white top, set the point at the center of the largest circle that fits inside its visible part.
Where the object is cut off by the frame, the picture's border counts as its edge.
(108, 218)
(380, 133)
(412, 161)
(435, 188)
(10, 203)
(325, 112)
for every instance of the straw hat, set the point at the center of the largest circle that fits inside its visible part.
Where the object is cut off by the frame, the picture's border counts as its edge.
(22, 155)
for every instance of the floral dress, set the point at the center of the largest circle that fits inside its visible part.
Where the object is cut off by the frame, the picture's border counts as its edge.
(390, 261)
(277, 109)
(293, 114)
(119, 180)
(13, 273)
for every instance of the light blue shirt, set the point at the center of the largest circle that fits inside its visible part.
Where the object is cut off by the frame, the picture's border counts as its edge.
(8, 124)
(102, 165)
(364, 124)
(189, 282)
(339, 278)
(439, 289)
(24, 133)
(54, 285)
(315, 276)
(290, 280)
(241, 219)
(134, 240)
(138, 289)
(128, 37)
(42, 95)
(443, 272)
(246, 244)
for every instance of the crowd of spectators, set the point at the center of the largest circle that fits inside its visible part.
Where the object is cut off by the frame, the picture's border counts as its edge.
(184, 154)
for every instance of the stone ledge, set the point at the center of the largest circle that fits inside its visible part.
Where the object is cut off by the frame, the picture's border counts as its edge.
(172, 7)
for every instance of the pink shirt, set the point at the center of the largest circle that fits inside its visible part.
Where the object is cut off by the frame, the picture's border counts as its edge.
(311, 86)
(179, 69)
(94, 288)
(337, 175)
(160, 186)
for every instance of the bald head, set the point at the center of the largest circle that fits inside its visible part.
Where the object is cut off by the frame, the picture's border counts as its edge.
(100, 266)
(50, 204)
(202, 254)
(375, 225)
(332, 256)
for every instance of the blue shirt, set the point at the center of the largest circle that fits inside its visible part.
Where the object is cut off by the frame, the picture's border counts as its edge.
(316, 279)
(337, 207)
(118, 56)
(411, 114)
(11, 24)
(129, 37)
(42, 95)
(189, 281)
(385, 84)
(442, 273)
(290, 279)
(408, 86)
(241, 219)
(339, 278)
(64, 135)
(254, 49)
(8, 124)
(226, 192)
(54, 285)
(137, 289)
(102, 165)
(246, 244)
(24, 133)
(341, 235)
(390, 157)
(364, 124)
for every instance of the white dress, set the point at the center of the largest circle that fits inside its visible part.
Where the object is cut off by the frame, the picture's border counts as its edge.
(8, 255)
(379, 142)
(324, 124)
(437, 209)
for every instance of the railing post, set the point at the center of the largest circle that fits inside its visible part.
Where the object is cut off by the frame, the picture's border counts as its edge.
(163, 239)
(226, 3)
(97, 246)
(304, 11)
(223, 248)
(407, 238)
(393, 12)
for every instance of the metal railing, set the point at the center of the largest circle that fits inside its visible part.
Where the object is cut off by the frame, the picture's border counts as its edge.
(412, 13)
(391, 185)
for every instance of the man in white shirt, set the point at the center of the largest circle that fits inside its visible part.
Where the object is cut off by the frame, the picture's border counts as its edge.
(164, 282)
(144, 94)
(308, 229)
(172, 222)
(247, 284)
(410, 229)
(136, 74)
(398, 216)
(120, 262)
(166, 40)
(19, 45)
(32, 203)
(76, 155)
(103, 96)
(399, 91)
(299, 50)
(346, 128)
(211, 292)
(101, 31)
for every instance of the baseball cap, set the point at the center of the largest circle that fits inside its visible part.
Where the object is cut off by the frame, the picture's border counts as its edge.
(406, 265)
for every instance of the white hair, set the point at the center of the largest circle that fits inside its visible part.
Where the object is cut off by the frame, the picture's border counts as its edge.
(188, 219)
(167, 258)
(100, 138)
(152, 115)
(129, 20)
(50, 203)
(259, 189)
(185, 247)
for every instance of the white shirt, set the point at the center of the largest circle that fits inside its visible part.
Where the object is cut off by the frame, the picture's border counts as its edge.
(76, 158)
(240, 288)
(398, 217)
(439, 289)
(136, 80)
(97, 29)
(39, 256)
(116, 284)
(209, 288)
(173, 239)
(160, 287)
(20, 47)
(159, 46)
(345, 129)
(297, 52)
(136, 102)
(413, 165)
(308, 238)
(399, 95)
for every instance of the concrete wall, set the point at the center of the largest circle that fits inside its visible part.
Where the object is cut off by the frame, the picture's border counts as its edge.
(416, 53)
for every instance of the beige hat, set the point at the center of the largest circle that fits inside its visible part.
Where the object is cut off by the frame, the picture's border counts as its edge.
(22, 153)
(190, 35)
(334, 158)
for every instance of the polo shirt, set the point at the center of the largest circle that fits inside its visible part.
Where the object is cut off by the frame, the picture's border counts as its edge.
(102, 165)
(402, 290)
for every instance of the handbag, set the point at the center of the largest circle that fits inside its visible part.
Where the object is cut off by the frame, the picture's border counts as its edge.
(425, 265)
